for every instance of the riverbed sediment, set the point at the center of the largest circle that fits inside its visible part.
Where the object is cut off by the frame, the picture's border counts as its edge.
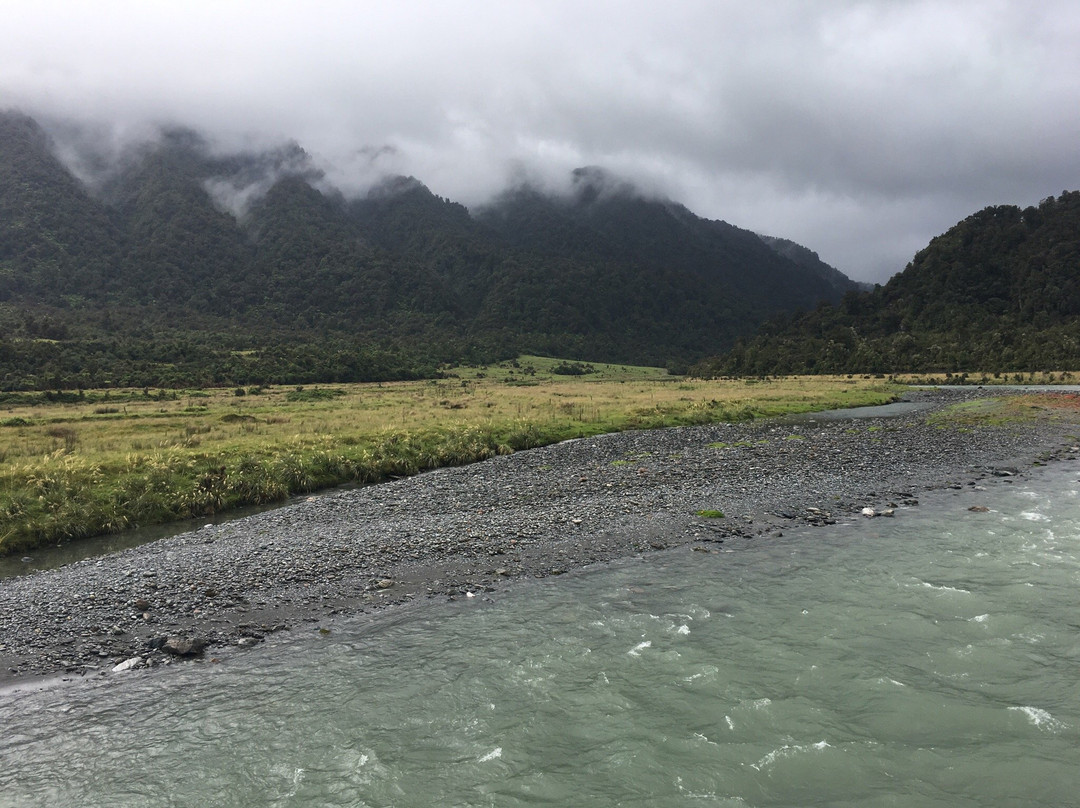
(461, 532)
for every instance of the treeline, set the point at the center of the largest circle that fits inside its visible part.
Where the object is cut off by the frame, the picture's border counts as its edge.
(39, 350)
(998, 292)
(78, 365)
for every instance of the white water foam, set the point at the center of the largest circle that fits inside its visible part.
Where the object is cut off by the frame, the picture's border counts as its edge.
(1040, 718)
(944, 588)
(641, 646)
(492, 755)
(701, 737)
(885, 680)
(788, 751)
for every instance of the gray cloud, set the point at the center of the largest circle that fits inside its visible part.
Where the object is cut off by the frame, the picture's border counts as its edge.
(859, 128)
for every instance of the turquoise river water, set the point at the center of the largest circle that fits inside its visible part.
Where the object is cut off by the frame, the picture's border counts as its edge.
(932, 659)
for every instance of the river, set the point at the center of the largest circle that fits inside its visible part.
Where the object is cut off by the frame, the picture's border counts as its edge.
(926, 660)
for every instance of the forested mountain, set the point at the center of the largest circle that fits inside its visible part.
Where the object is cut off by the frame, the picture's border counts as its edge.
(54, 239)
(998, 292)
(625, 270)
(186, 266)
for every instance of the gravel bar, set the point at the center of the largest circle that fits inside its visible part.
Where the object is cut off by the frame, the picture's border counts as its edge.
(457, 532)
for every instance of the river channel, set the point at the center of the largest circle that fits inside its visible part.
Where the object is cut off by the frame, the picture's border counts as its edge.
(925, 660)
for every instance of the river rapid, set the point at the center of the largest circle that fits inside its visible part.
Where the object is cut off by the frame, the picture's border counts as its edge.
(925, 660)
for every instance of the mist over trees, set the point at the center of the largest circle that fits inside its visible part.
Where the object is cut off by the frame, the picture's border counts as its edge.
(179, 266)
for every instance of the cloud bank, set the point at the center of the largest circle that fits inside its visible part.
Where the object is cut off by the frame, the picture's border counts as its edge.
(858, 128)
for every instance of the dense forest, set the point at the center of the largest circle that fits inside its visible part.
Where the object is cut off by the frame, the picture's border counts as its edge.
(180, 266)
(998, 292)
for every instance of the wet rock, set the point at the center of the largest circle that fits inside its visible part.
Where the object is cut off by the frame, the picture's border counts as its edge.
(979, 509)
(869, 513)
(128, 664)
(184, 646)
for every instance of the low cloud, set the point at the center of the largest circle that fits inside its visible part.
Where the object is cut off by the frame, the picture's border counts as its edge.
(861, 128)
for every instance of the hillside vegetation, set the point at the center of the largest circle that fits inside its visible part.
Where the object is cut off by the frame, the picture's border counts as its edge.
(180, 266)
(999, 292)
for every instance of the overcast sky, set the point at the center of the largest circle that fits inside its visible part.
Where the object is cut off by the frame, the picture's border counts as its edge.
(860, 129)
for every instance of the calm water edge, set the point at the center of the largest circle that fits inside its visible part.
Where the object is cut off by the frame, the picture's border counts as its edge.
(928, 660)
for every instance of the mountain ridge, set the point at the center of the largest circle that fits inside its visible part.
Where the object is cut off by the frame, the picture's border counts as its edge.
(181, 242)
(998, 292)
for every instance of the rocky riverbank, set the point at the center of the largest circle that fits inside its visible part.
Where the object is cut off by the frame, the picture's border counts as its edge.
(460, 532)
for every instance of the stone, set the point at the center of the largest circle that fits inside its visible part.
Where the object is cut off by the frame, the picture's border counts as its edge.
(979, 509)
(184, 646)
(869, 513)
(385, 583)
(128, 664)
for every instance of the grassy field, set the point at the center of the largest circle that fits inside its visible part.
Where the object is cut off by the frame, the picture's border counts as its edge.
(1063, 407)
(106, 461)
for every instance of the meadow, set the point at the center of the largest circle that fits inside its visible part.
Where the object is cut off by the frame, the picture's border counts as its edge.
(77, 465)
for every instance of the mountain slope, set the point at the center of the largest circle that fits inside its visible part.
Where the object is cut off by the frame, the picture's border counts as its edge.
(244, 253)
(999, 291)
(55, 240)
(621, 270)
(181, 251)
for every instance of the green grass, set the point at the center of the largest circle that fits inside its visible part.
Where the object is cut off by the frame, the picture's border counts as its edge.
(100, 462)
(710, 514)
(1003, 411)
